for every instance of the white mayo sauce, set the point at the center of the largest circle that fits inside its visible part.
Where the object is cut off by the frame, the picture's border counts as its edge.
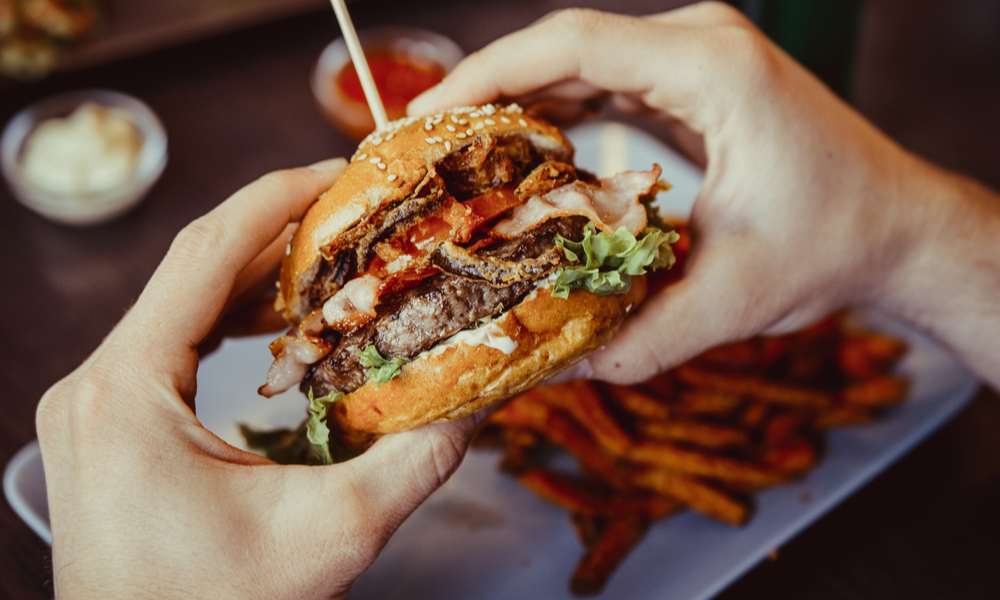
(490, 335)
(93, 150)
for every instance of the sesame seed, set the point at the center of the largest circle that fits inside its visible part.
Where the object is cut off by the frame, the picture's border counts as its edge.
(375, 159)
(376, 141)
(437, 138)
(474, 114)
(428, 126)
(454, 119)
(288, 250)
(490, 122)
(522, 122)
(469, 132)
(362, 157)
(463, 122)
(430, 140)
(480, 125)
(461, 136)
(391, 178)
(381, 166)
(447, 146)
(451, 128)
(390, 136)
(505, 119)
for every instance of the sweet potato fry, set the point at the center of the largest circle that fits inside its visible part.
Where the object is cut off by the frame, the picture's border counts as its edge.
(755, 387)
(636, 402)
(783, 425)
(588, 527)
(560, 429)
(520, 449)
(650, 506)
(754, 415)
(876, 391)
(843, 416)
(702, 498)
(737, 355)
(695, 463)
(716, 404)
(565, 492)
(793, 458)
(581, 400)
(868, 355)
(662, 386)
(619, 536)
(704, 435)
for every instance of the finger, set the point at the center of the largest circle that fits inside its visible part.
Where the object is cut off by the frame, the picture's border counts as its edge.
(254, 316)
(718, 301)
(401, 470)
(262, 272)
(189, 290)
(611, 52)
(702, 14)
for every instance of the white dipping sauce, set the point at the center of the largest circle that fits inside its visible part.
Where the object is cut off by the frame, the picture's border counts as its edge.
(91, 151)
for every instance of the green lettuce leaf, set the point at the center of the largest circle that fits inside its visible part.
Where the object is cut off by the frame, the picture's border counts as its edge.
(607, 262)
(317, 431)
(380, 369)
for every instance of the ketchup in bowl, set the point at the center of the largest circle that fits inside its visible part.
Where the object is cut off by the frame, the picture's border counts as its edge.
(404, 62)
(397, 78)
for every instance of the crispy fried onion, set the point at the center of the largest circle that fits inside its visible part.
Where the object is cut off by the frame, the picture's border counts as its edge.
(613, 204)
(495, 271)
(292, 357)
(544, 178)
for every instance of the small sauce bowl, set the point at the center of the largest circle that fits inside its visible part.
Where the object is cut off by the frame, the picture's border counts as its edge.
(404, 62)
(86, 208)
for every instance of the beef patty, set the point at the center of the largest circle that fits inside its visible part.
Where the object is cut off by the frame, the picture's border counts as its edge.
(441, 306)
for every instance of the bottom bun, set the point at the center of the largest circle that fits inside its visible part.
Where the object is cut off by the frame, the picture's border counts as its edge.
(551, 334)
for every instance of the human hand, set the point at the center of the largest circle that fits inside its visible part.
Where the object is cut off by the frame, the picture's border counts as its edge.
(805, 208)
(144, 501)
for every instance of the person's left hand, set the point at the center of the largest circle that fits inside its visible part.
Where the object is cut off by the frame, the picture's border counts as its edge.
(143, 500)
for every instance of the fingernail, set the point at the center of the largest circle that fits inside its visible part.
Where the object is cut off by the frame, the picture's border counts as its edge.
(422, 104)
(330, 164)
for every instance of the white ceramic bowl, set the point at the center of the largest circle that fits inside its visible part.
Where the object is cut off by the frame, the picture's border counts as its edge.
(89, 209)
(418, 46)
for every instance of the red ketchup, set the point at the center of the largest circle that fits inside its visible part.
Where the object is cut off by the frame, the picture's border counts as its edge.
(398, 81)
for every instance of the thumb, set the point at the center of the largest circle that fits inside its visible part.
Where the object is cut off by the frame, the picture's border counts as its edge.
(718, 301)
(401, 470)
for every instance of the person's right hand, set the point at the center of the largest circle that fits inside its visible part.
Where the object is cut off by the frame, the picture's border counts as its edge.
(805, 208)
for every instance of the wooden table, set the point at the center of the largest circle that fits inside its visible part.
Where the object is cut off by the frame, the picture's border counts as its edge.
(238, 106)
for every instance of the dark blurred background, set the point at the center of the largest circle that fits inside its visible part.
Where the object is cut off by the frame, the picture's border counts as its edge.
(237, 104)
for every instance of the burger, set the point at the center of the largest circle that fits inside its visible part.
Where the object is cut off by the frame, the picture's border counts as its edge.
(460, 259)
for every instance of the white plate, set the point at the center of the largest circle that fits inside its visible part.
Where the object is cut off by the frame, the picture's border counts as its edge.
(486, 537)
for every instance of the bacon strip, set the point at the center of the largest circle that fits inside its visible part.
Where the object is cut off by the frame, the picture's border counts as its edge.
(292, 357)
(613, 205)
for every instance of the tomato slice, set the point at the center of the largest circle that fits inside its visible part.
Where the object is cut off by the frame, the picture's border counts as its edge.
(493, 203)
(455, 221)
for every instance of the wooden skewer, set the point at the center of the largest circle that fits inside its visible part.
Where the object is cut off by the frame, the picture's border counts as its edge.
(360, 64)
